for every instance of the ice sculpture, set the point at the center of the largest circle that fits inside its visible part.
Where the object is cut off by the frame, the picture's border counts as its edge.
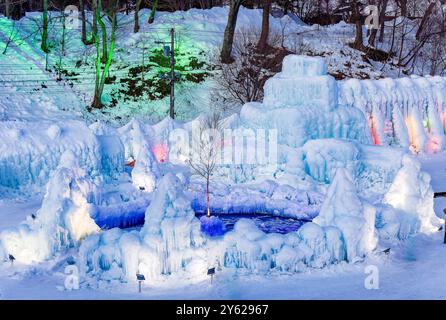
(62, 221)
(412, 194)
(344, 210)
(170, 241)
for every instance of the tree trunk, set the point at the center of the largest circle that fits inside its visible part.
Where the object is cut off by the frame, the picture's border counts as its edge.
(208, 200)
(44, 44)
(263, 41)
(136, 19)
(382, 16)
(84, 24)
(228, 39)
(358, 44)
(102, 75)
(103, 32)
(7, 9)
(423, 22)
(153, 12)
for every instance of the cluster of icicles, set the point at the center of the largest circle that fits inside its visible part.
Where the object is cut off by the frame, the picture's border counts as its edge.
(407, 112)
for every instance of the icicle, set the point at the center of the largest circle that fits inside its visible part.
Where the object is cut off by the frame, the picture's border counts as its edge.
(400, 130)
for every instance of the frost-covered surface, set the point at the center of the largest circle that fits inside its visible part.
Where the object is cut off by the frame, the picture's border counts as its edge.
(327, 169)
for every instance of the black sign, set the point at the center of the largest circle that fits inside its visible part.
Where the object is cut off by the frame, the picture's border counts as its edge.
(140, 277)
(211, 271)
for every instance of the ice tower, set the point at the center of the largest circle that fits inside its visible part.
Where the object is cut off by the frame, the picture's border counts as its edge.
(302, 82)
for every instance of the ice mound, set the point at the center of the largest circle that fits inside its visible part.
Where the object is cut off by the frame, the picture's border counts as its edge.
(412, 198)
(62, 221)
(247, 247)
(171, 231)
(344, 210)
(145, 172)
(170, 241)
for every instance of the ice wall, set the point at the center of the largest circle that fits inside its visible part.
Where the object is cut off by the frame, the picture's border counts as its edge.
(62, 221)
(406, 112)
(30, 151)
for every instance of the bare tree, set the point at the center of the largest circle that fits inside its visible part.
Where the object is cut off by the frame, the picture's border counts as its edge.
(242, 81)
(207, 150)
(84, 24)
(13, 36)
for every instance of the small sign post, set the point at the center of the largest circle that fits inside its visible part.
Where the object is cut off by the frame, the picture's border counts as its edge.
(140, 278)
(211, 272)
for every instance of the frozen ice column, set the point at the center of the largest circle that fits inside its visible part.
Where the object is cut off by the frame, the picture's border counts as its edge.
(302, 82)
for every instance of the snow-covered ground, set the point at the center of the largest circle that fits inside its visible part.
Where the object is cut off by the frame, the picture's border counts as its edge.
(413, 270)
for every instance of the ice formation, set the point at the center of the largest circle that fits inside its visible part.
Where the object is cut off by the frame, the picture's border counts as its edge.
(169, 242)
(303, 106)
(405, 112)
(343, 209)
(138, 147)
(62, 221)
(412, 198)
(30, 151)
(326, 137)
